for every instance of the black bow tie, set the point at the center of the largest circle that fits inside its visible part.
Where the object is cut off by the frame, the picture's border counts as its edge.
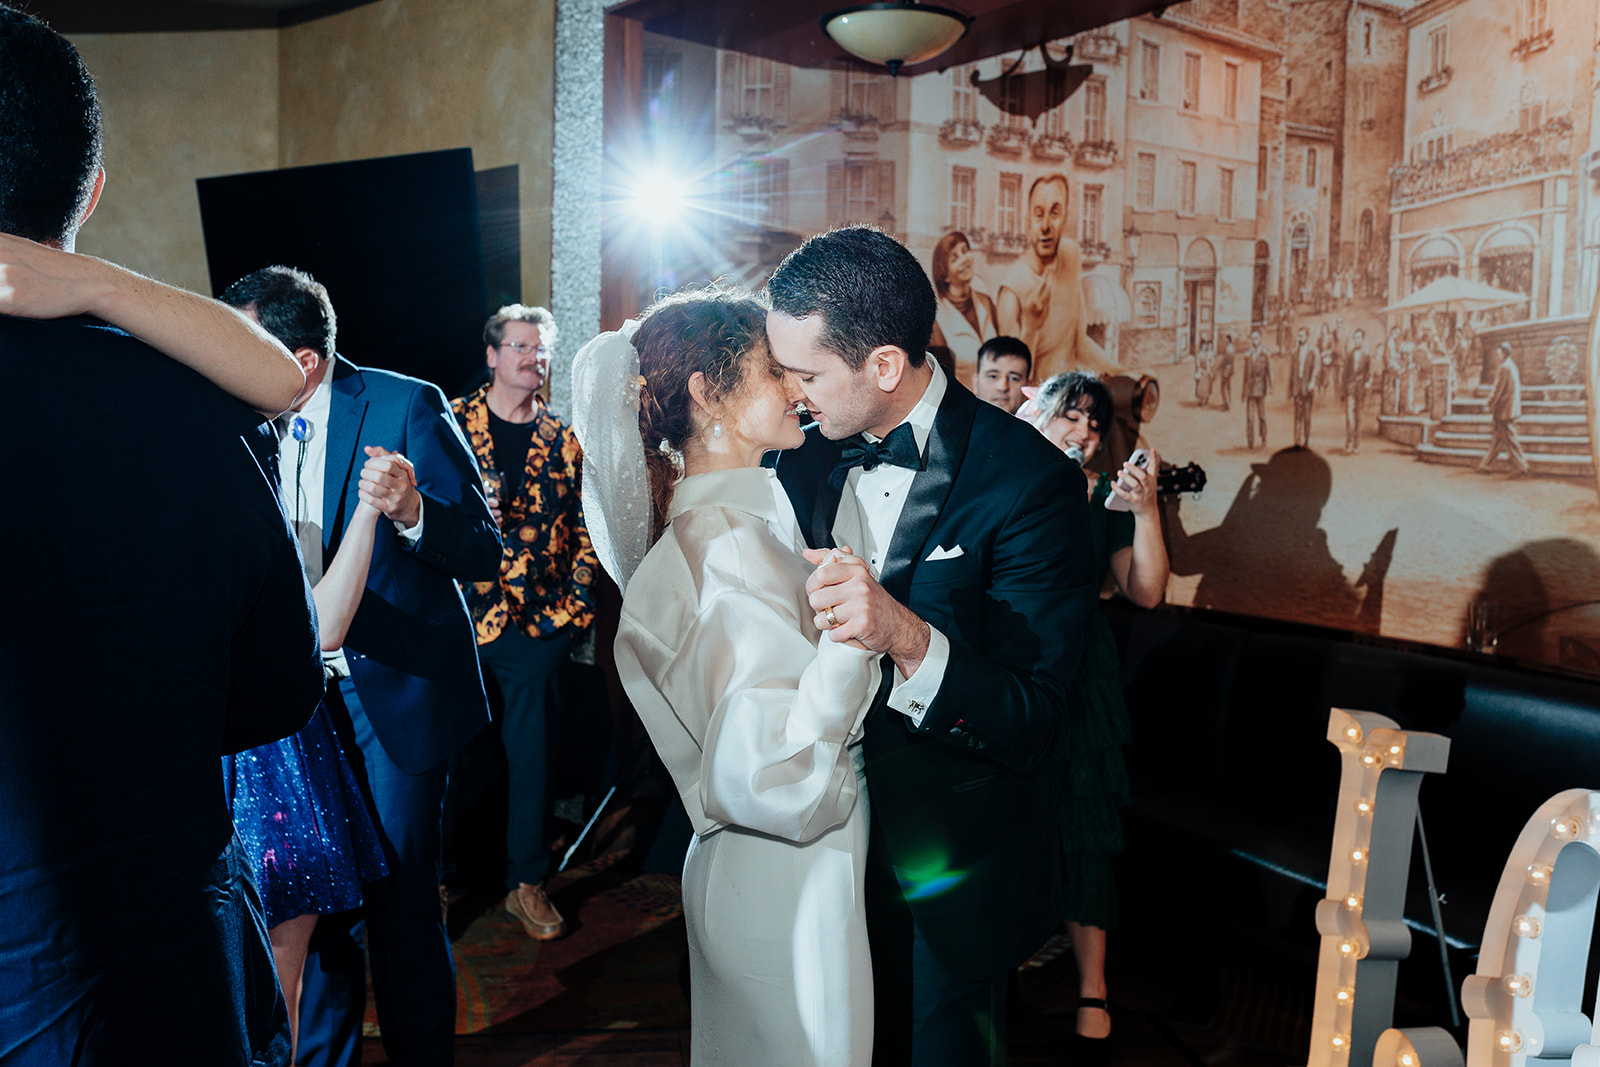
(899, 449)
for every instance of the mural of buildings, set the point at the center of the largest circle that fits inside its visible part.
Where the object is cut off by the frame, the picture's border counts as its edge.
(1168, 161)
(1194, 168)
(1282, 164)
(1350, 62)
(1488, 185)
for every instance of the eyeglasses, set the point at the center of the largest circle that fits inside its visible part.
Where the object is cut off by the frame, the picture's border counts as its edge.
(522, 348)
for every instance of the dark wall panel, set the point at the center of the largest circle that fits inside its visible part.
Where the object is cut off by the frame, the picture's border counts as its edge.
(395, 240)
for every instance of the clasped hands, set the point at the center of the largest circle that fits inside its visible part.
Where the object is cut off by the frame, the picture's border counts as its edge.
(852, 607)
(389, 485)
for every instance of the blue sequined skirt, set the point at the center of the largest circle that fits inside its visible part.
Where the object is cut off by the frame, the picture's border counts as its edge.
(304, 822)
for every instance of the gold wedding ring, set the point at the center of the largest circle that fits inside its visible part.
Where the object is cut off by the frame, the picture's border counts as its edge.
(827, 613)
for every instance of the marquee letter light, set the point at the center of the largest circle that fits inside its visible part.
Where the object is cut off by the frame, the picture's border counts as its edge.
(1362, 921)
(1526, 999)
(1524, 1004)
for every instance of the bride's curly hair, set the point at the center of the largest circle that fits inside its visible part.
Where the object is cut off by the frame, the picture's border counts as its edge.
(711, 330)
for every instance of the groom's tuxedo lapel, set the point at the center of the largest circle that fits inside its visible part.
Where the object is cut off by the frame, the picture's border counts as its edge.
(824, 511)
(947, 447)
(346, 413)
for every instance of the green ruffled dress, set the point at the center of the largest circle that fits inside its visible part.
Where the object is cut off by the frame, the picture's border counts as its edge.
(1095, 782)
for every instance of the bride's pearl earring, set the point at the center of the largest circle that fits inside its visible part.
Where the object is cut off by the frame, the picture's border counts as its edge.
(716, 430)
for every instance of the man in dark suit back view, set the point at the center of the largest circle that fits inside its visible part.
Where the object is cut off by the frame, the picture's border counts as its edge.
(977, 529)
(155, 618)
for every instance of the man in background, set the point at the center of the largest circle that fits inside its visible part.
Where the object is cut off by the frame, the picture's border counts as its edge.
(527, 618)
(409, 693)
(1353, 381)
(1004, 366)
(1303, 367)
(155, 619)
(1505, 408)
(1257, 386)
(1225, 362)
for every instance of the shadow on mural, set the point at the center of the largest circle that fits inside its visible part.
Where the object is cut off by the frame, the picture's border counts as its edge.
(1353, 245)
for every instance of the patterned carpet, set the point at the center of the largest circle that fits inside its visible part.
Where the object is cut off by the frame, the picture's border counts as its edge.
(610, 993)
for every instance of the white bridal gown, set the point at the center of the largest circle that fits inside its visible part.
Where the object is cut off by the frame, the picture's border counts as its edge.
(753, 716)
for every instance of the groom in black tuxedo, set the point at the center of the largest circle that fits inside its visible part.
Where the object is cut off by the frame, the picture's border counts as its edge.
(976, 528)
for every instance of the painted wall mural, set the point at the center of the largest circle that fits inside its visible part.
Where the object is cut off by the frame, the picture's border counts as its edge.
(1370, 228)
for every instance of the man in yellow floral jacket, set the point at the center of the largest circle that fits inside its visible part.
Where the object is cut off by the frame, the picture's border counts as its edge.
(531, 465)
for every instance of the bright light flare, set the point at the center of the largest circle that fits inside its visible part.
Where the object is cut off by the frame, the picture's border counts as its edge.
(658, 199)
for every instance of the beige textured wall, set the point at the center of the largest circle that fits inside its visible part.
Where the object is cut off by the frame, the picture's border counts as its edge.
(177, 106)
(422, 75)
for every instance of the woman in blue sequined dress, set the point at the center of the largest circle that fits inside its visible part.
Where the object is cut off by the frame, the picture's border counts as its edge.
(296, 805)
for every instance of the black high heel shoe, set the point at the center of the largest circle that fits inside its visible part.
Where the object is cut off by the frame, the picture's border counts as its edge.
(1091, 1051)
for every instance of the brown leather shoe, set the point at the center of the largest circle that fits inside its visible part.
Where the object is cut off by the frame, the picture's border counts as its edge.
(532, 908)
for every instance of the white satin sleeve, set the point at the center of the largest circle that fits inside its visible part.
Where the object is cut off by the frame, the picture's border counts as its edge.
(783, 712)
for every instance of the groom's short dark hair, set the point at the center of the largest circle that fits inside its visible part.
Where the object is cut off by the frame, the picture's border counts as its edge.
(868, 288)
(49, 131)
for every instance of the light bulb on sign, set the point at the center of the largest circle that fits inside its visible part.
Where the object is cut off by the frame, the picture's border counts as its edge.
(1539, 874)
(1408, 1059)
(1508, 1041)
(1517, 985)
(1340, 1042)
(1353, 733)
(1526, 926)
(1344, 996)
(1353, 901)
(1358, 856)
(1363, 806)
(1565, 829)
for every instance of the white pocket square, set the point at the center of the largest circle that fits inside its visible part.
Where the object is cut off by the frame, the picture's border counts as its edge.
(944, 553)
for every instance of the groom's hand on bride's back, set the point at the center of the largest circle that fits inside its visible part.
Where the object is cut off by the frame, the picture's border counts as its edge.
(863, 612)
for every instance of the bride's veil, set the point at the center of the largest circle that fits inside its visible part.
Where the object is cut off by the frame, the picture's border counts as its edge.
(616, 484)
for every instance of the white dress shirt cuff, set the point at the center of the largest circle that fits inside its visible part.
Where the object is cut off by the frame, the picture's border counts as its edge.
(414, 534)
(911, 696)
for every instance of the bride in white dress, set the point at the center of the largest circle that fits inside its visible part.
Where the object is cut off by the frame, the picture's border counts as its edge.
(753, 711)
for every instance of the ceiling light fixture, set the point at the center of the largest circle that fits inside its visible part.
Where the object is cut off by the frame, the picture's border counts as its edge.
(895, 33)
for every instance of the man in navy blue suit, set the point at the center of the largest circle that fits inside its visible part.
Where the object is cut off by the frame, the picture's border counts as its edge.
(152, 618)
(409, 693)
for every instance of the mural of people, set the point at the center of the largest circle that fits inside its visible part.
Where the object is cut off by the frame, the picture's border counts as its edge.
(1505, 408)
(1327, 358)
(966, 316)
(1205, 370)
(1303, 385)
(1356, 371)
(1394, 370)
(1257, 387)
(1041, 296)
(1225, 362)
(1186, 216)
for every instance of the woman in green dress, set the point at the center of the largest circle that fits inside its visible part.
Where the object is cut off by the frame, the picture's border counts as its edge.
(1071, 410)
